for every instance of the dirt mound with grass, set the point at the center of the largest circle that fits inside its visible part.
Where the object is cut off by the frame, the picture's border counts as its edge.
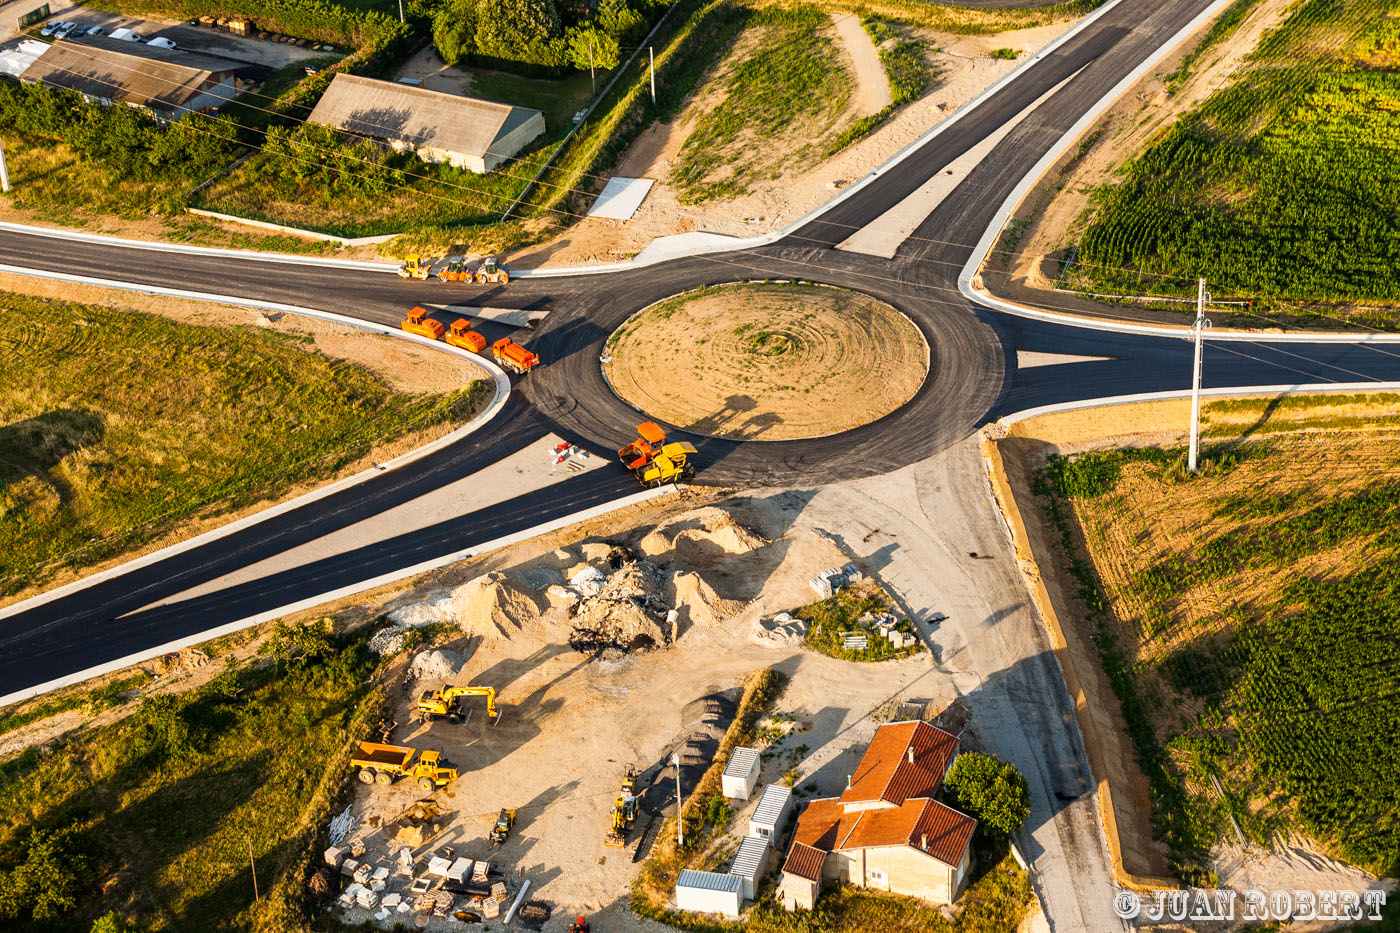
(768, 362)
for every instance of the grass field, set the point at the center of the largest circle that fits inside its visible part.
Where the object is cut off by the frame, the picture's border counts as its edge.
(116, 425)
(847, 612)
(1247, 619)
(781, 101)
(155, 816)
(1283, 186)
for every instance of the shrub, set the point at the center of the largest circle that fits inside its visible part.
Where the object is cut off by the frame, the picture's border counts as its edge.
(992, 790)
(54, 872)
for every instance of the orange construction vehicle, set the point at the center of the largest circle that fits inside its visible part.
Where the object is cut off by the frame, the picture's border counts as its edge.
(455, 271)
(419, 323)
(491, 271)
(460, 334)
(647, 445)
(513, 356)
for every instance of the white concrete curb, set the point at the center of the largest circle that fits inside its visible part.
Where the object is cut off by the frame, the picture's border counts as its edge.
(350, 590)
(79, 236)
(974, 291)
(501, 380)
(1301, 388)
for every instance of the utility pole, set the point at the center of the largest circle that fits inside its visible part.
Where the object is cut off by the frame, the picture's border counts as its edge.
(401, 11)
(651, 64)
(4, 171)
(680, 824)
(1198, 329)
(592, 77)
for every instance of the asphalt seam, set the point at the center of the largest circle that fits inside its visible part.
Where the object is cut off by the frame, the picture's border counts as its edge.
(340, 593)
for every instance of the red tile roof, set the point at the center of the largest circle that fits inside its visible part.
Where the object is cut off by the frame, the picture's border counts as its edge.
(925, 825)
(886, 771)
(805, 862)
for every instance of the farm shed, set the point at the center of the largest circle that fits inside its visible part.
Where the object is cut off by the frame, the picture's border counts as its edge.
(771, 814)
(168, 82)
(465, 132)
(709, 892)
(741, 774)
(751, 864)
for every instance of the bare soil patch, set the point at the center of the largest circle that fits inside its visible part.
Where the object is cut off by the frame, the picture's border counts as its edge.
(771, 362)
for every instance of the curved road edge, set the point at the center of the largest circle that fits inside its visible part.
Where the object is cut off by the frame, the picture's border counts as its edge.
(969, 282)
(497, 403)
(352, 589)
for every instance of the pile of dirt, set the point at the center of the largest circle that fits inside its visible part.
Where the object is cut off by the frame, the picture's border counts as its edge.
(698, 603)
(628, 611)
(435, 665)
(701, 538)
(492, 606)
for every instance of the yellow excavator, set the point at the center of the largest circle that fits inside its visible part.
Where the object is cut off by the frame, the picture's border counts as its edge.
(624, 812)
(435, 704)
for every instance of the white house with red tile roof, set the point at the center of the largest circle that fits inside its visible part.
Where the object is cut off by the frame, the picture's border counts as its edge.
(885, 831)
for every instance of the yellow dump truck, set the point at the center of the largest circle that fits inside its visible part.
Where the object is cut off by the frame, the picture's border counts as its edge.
(385, 764)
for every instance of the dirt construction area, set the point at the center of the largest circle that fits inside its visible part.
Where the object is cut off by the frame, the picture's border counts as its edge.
(767, 362)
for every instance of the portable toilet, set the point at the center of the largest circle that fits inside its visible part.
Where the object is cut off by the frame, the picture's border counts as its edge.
(751, 864)
(771, 814)
(709, 892)
(741, 774)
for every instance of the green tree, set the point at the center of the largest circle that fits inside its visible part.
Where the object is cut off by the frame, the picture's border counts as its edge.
(454, 31)
(590, 44)
(113, 922)
(520, 30)
(56, 870)
(992, 790)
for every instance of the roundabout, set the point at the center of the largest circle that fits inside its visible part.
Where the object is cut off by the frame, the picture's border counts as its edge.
(767, 361)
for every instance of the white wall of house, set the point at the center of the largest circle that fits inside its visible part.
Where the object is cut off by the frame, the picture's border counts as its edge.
(508, 145)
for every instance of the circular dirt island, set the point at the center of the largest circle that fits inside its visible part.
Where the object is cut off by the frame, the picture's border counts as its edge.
(767, 362)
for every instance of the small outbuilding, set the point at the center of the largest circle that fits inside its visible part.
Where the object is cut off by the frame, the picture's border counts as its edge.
(751, 864)
(465, 132)
(741, 774)
(709, 892)
(770, 816)
(168, 82)
(801, 883)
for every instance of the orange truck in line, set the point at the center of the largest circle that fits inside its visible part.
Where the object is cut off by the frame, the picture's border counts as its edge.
(460, 334)
(419, 323)
(513, 356)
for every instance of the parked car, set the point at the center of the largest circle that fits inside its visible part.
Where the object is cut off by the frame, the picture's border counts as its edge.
(160, 42)
(96, 31)
(126, 35)
(50, 28)
(66, 31)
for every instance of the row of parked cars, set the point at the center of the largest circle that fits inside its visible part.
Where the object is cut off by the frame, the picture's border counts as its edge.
(61, 30)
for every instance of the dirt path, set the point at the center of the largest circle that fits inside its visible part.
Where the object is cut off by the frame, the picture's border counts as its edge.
(773, 362)
(872, 87)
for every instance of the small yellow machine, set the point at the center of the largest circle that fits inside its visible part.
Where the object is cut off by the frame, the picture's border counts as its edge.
(505, 822)
(435, 704)
(624, 813)
(671, 465)
(414, 268)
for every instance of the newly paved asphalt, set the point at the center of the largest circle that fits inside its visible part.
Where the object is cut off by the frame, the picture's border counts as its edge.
(973, 374)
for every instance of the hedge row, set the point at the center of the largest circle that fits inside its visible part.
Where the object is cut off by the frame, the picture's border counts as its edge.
(321, 20)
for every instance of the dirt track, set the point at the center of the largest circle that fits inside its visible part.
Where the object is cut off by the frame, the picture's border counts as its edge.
(768, 362)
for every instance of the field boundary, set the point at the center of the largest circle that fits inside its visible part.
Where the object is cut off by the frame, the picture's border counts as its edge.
(497, 403)
(294, 231)
(1301, 388)
(351, 589)
(1034, 580)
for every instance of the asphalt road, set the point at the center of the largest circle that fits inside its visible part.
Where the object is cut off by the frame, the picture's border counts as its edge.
(973, 373)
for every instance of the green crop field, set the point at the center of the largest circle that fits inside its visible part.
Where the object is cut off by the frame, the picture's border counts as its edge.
(1284, 186)
(117, 425)
(1247, 619)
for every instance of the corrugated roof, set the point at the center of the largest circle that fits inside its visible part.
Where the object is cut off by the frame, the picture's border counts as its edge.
(709, 881)
(416, 115)
(770, 805)
(741, 762)
(749, 859)
(805, 861)
(129, 72)
(886, 773)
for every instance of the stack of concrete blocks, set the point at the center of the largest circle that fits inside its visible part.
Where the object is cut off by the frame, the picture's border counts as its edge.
(480, 871)
(826, 583)
(379, 880)
(335, 855)
(437, 865)
(348, 866)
